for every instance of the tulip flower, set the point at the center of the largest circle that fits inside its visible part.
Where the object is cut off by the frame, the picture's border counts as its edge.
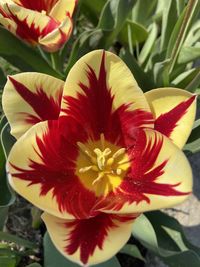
(43, 22)
(95, 152)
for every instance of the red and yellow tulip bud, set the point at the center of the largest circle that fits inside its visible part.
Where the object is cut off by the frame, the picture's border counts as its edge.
(40, 22)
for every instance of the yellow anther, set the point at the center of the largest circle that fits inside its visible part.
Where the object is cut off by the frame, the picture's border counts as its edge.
(118, 171)
(119, 152)
(110, 161)
(85, 169)
(88, 168)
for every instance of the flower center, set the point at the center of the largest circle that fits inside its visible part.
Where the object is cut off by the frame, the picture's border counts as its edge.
(101, 165)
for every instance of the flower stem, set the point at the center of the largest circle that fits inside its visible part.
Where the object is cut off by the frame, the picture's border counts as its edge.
(55, 61)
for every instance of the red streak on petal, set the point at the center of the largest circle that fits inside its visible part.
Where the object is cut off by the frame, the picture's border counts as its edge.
(39, 5)
(56, 171)
(46, 107)
(167, 122)
(61, 41)
(93, 108)
(89, 234)
(3, 13)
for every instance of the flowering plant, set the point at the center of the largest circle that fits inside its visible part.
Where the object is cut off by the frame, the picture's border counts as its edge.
(86, 138)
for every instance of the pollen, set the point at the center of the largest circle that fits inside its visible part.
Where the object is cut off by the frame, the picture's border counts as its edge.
(101, 165)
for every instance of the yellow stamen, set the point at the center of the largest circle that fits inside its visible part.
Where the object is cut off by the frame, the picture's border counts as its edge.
(88, 168)
(98, 179)
(110, 161)
(118, 171)
(106, 163)
(85, 169)
(86, 151)
(119, 152)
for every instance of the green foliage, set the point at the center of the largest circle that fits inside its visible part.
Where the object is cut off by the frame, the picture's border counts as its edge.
(7, 196)
(132, 250)
(2, 78)
(193, 144)
(9, 255)
(22, 56)
(163, 235)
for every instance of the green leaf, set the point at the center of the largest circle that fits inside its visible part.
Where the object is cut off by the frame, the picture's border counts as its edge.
(7, 196)
(36, 217)
(180, 6)
(195, 132)
(113, 18)
(184, 79)
(163, 235)
(194, 83)
(142, 78)
(7, 139)
(180, 31)
(194, 35)
(3, 216)
(160, 73)
(193, 147)
(132, 250)
(143, 10)
(92, 9)
(169, 18)
(148, 46)
(52, 258)
(17, 240)
(193, 143)
(138, 33)
(34, 265)
(2, 79)
(188, 54)
(8, 261)
(22, 56)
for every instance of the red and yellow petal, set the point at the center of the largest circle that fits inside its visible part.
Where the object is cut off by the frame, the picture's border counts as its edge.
(174, 111)
(41, 5)
(101, 93)
(41, 168)
(63, 8)
(5, 20)
(160, 177)
(30, 25)
(58, 37)
(29, 98)
(91, 241)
